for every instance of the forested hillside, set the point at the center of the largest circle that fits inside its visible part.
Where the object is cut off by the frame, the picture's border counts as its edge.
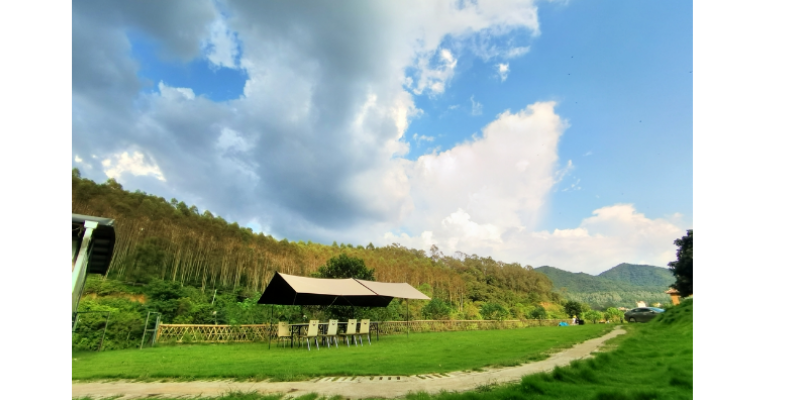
(170, 241)
(621, 286)
(640, 275)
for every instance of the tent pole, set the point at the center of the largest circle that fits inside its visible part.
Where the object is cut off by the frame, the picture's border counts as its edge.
(269, 332)
(408, 321)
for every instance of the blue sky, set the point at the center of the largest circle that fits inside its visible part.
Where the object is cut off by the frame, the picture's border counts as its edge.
(555, 133)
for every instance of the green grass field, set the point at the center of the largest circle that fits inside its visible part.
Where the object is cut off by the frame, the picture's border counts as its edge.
(652, 362)
(421, 353)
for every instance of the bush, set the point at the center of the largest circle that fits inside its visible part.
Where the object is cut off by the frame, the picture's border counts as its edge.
(494, 311)
(436, 309)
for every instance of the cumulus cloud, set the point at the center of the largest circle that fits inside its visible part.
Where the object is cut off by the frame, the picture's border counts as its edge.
(501, 178)
(134, 164)
(315, 147)
(612, 235)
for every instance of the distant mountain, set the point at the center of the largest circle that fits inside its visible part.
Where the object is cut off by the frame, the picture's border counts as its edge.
(640, 275)
(621, 286)
(581, 282)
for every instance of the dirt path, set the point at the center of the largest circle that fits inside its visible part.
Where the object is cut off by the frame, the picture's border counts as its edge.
(349, 387)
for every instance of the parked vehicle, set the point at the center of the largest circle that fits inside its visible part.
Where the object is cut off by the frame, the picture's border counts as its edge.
(642, 314)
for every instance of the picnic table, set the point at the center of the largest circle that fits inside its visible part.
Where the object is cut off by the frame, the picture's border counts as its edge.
(323, 329)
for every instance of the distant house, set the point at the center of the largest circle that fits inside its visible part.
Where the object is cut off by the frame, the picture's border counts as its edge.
(673, 294)
(640, 304)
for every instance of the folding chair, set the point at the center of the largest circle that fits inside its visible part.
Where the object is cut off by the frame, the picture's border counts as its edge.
(333, 328)
(313, 332)
(283, 332)
(364, 329)
(352, 324)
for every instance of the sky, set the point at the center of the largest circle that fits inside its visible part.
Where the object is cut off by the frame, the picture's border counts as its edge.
(544, 133)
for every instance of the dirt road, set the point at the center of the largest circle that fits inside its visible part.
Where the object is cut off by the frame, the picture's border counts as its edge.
(348, 387)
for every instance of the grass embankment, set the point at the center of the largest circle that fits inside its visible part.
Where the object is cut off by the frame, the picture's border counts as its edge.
(422, 353)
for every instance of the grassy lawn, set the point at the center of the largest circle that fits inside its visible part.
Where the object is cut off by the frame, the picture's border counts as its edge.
(652, 361)
(422, 353)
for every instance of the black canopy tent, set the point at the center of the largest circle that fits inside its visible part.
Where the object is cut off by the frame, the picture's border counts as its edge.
(286, 289)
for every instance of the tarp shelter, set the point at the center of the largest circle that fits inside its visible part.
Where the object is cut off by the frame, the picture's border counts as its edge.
(392, 290)
(301, 291)
(290, 290)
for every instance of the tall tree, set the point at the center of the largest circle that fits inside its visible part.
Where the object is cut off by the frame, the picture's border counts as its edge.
(343, 266)
(682, 267)
(574, 308)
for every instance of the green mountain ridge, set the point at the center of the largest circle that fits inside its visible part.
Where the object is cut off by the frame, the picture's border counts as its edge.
(640, 275)
(620, 286)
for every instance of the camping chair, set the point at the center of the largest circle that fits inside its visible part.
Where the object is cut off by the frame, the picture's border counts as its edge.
(333, 328)
(351, 331)
(364, 330)
(283, 332)
(313, 331)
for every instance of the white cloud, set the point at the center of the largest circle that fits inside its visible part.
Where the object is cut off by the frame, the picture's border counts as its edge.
(220, 46)
(134, 164)
(78, 159)
(572, 187)
(477, 108)
(612, 235)
(175, 93)
(485, 197)
(502, 71)
(314, 147)
(422, 138)
(516, 52)
(502, 178)
(433, 79)
(230, 140)
(564, 172)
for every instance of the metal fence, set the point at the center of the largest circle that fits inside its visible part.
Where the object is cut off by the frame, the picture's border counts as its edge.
(186, 333)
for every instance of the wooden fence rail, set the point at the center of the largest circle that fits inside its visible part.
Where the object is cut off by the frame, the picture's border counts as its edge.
(186, 333)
